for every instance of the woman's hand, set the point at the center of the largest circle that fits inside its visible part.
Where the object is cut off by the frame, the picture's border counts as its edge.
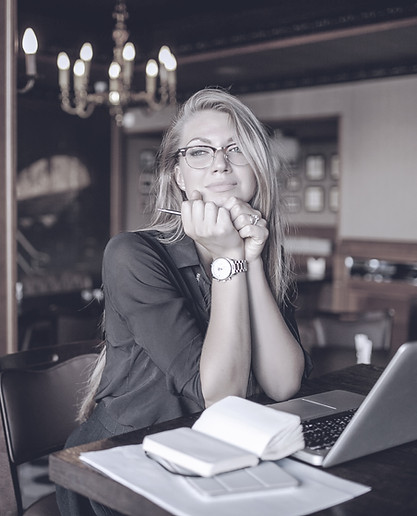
(211, 226)
(250, 225)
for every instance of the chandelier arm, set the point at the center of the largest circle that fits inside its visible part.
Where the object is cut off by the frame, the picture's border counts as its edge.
(147, 100)
(30, 83)
(83, 111)
(86, 111)
(97, 98)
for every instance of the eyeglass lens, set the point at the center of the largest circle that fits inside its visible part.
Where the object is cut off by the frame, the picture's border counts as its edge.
(203, 156)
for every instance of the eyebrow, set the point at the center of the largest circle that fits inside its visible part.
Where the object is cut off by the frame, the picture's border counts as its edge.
(206, 141)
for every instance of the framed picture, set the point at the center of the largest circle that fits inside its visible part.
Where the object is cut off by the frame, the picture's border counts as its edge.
(334, 198)
(292, 204)
(315, 167)
(335, 166)
(293, 184)
(314, 198)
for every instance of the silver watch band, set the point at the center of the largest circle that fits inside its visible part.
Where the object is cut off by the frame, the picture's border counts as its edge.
(240, 266)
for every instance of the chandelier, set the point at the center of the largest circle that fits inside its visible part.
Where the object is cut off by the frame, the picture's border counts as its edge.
(117, 95)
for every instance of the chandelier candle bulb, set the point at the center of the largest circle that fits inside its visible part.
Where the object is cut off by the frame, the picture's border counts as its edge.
(30, 47)
(164, 59)
(128, 55)
(114, 98)
(114, 72)
(86, 54)
(79, 73)
(171, 66)
(151, 75)
(63, 63)
(164, 54)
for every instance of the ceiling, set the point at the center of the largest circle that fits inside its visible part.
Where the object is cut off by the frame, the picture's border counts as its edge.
(270, 45)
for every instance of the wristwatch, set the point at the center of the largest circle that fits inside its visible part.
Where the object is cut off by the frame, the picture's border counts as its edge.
(222, 269)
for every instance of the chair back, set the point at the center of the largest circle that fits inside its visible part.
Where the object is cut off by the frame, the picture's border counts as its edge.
(45, 356)
(339, 329)
(334, 345)
(38, 412)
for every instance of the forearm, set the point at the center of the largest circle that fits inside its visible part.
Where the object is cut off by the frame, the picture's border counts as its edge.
(226, 354)
(277, 358)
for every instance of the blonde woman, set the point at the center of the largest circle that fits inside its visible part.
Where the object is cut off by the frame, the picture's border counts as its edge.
(198, 305)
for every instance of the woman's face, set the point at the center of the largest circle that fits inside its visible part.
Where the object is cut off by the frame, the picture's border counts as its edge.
(221, 179)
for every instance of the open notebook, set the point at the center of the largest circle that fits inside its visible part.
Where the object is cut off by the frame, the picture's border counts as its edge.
(232, 433)
(385, 418)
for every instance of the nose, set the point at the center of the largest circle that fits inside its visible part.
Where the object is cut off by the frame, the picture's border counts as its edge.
(220, 162)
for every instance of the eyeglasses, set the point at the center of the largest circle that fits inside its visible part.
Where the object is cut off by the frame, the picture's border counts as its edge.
(202, 156)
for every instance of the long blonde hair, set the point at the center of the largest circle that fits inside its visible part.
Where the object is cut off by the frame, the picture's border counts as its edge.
(252, 137)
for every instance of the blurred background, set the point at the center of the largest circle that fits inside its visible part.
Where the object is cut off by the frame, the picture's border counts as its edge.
(335, 82)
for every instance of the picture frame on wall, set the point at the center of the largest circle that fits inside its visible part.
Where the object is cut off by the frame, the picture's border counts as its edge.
(314, 199)
(334, 198)
(146, 176)
(292, 203)
(315, 167)
(335, 167)
(293, 183)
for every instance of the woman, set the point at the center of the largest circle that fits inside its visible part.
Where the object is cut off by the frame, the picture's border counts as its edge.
(197, 306)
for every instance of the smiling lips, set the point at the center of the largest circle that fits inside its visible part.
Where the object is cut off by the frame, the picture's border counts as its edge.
(221, 186)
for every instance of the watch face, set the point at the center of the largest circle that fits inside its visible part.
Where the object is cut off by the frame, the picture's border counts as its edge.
(221, 269)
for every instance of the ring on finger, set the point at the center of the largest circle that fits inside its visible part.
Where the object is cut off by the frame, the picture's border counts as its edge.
(254, 219)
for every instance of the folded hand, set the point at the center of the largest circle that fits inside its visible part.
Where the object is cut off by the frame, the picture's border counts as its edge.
(250, 225)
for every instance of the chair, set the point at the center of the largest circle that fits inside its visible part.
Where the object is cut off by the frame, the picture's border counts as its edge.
(334, 336)
(42, 357)
(38, 412)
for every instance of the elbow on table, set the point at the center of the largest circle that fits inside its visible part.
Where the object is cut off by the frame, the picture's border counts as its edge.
(283, 394)
(281, 391)
(213, 397)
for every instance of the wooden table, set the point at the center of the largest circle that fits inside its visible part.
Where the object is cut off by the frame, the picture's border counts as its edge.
(392, 474)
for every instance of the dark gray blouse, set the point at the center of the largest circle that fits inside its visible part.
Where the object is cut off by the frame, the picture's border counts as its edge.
(157, 307)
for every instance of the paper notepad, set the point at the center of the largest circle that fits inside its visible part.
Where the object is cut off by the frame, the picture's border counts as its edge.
(233, 433)
(266, 475)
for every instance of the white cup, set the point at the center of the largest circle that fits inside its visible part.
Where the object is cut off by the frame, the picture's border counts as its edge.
(316, 268)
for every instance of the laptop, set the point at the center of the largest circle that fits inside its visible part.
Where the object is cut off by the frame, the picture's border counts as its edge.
(386, 417)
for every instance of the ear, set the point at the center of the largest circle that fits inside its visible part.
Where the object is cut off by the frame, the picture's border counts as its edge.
(179, 178)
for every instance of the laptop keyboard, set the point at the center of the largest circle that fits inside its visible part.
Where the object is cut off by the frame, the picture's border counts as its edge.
(323, 432)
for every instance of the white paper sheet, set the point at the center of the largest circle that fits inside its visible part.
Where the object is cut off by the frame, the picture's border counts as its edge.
(130, 466)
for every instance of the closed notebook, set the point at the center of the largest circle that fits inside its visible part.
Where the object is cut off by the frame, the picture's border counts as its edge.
(231, 434)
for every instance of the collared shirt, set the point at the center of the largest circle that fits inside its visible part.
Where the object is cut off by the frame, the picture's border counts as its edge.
(157, 309)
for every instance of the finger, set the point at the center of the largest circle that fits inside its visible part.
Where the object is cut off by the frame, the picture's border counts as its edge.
(232, 204)
(237, 207)
(197, 210)
(211, 213)
(224, 217)
(192, 213)
(196, 196)
(261, 222)
(200, 217)
(258, 234)
(252, 218)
